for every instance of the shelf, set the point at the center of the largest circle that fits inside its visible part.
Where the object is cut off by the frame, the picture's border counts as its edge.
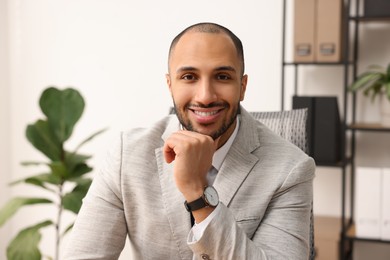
(336, 164)
(369, 127)
(341, 63)
(349, 64)
(370, 18)
(351, 235)
(327, 236)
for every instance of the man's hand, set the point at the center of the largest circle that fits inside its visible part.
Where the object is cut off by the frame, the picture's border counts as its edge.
(193, 154)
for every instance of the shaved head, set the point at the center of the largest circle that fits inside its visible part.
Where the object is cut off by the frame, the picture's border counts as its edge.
(211, 28)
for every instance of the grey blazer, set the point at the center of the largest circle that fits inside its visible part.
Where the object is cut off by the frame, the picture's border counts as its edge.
(265, 187)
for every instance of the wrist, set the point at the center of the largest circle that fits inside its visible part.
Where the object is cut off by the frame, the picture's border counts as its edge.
(201, 214)
(208, 198)
(193, 194)
(193, 190)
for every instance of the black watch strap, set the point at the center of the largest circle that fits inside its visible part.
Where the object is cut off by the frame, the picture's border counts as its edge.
(195, 205)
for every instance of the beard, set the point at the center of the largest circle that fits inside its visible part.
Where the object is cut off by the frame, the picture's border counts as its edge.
(226, 124)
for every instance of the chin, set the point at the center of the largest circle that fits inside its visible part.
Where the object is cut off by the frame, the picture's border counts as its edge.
(213, 133)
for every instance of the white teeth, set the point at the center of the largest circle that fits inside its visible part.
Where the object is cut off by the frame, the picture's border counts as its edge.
(199, 113)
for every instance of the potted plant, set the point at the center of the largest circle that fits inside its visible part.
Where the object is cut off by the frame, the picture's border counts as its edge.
(376, 82)
(62, 110)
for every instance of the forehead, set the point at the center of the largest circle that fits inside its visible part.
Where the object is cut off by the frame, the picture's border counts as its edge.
(200, 48)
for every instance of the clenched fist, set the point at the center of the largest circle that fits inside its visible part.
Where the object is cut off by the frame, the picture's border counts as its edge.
(193, 154)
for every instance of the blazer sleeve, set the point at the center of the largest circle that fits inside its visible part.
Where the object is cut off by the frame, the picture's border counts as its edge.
(283, 232)
(100, 228)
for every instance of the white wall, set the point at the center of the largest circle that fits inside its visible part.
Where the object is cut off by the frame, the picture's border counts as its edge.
(115, 53)
(4, 117)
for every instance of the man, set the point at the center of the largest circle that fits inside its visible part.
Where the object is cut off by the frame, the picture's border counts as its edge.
(247, 191)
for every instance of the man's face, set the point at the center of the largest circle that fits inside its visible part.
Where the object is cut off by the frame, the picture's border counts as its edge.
(206, 84)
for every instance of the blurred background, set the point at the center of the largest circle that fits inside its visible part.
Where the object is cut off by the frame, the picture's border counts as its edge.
(115, 53)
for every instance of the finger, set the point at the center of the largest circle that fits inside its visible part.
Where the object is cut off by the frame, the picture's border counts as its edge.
(169, 151)
(197, 136)
(175, 144)
(171, 144)
(169, 155)
(202, 138)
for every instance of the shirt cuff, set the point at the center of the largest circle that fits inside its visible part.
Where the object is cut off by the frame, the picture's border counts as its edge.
(198, 229)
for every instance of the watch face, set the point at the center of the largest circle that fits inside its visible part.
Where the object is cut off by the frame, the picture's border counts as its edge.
(211, 196)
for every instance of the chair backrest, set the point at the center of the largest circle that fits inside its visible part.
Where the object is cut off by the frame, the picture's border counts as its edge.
(290, 124)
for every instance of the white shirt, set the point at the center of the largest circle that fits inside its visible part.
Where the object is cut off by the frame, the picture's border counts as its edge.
(218, 158)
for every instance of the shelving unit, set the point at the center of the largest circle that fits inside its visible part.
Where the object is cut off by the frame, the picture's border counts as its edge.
(350, 127)
(368, 127)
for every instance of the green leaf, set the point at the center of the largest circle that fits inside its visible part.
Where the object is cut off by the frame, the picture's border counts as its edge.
(365, 79)
(375, 90)
(15, 204)
(376, 68)
(42, 138)
(90, 138)
(375, 82)
(73, 159)
(41, 180)
(80, 170)
(76, 165)
(388, 73)
(388, 89)
(63, 109)
(29, 163)
(67, 229)
(37, 182)
(25, 245)
(46, 178)
(59, 169)
(76, 158)
(83, 184)
(73, 200)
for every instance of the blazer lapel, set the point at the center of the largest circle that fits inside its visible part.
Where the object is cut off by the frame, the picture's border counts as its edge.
(179, 218)
(239, 161)
(235, 168)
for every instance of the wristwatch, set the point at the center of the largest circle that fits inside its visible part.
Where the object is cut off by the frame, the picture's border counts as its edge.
(209, 198)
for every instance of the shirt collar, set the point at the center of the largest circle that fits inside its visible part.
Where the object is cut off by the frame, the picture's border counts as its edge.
(220, 154)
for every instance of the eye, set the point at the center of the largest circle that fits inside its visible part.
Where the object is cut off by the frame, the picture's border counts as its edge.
(189, 77)
(223, 77)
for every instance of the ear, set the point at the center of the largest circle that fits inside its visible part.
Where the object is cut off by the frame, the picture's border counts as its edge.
(168, 78)
(244, 81)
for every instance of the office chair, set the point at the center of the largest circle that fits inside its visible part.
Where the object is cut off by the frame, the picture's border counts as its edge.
(291, 125)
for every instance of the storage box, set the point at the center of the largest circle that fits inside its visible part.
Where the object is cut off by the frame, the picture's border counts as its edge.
(323, 127)
(377, 8)
(368, 202)
(385, 226)
(327, 236)
(304, 27)
(329, 30)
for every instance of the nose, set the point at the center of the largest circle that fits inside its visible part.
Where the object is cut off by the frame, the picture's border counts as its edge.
(205, 93)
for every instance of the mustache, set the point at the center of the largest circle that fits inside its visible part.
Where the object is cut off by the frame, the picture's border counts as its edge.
(211, 105)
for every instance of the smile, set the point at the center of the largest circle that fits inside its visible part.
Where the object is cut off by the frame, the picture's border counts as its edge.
(204, 114)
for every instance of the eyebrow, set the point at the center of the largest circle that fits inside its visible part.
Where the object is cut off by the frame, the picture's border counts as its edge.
(185, 68)
(221, 68)
(228, 68)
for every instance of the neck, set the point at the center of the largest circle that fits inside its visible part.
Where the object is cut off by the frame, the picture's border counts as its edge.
(228, 133)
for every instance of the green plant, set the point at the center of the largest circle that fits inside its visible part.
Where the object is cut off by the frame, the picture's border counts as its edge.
(62, 108)
(375, 81)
